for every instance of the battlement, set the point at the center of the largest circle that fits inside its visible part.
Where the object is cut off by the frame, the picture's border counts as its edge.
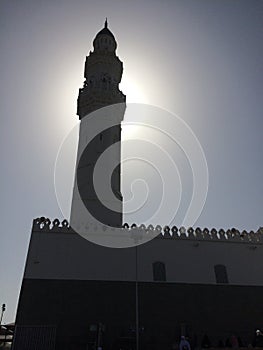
(231, 235)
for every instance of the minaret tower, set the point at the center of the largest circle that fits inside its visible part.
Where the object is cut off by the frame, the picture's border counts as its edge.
(103, 72)
(102, 128)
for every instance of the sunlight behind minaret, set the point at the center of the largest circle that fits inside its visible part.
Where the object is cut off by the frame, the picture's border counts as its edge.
(133, 92)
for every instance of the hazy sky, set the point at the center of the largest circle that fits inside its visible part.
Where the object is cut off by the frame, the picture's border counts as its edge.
(200, 59)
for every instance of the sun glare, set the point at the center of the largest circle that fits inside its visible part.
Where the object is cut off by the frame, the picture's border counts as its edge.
(133, 92)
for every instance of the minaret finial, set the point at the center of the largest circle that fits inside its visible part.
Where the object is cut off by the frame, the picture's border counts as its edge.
(106, 23)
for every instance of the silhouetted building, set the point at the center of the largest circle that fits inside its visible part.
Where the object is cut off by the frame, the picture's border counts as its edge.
(79, 295)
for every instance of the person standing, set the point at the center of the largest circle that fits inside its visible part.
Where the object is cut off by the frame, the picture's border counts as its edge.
(258, 341)
(184, 344)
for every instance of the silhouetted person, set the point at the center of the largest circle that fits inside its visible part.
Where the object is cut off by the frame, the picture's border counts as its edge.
(240, 342)
(233, 341)
(221, 344)
(205, 344)
(184, 344)
(258, 340)
(228, 343)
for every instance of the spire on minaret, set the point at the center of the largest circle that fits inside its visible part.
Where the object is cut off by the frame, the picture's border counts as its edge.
(106, 23)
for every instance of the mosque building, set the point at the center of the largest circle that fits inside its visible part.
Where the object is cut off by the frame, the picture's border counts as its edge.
(77, 294)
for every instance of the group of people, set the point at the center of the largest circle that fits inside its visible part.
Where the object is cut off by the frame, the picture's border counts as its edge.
(232, 342)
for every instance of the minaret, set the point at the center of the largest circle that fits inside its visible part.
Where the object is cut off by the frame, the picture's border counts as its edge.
(100, 128)
(103, 72)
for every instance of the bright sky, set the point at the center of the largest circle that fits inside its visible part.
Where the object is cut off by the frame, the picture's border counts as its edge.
(199, 59)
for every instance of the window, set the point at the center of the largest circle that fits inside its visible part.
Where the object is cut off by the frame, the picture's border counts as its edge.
(159, 273)
(221, 274)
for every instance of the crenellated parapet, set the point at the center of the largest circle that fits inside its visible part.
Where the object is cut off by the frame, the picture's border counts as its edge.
(46, 225)
(231, 235)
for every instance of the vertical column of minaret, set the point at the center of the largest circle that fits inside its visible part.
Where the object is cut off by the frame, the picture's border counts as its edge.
(101, 107)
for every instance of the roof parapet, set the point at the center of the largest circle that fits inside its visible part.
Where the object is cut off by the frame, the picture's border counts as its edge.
(231, 235)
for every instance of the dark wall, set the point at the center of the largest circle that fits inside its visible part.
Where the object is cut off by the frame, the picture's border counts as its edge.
(164, 308)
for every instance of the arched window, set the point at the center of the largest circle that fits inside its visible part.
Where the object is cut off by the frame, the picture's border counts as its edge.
(221, 274)
(159, 273)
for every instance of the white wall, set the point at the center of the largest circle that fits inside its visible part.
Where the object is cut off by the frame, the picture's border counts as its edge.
(64, 255)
